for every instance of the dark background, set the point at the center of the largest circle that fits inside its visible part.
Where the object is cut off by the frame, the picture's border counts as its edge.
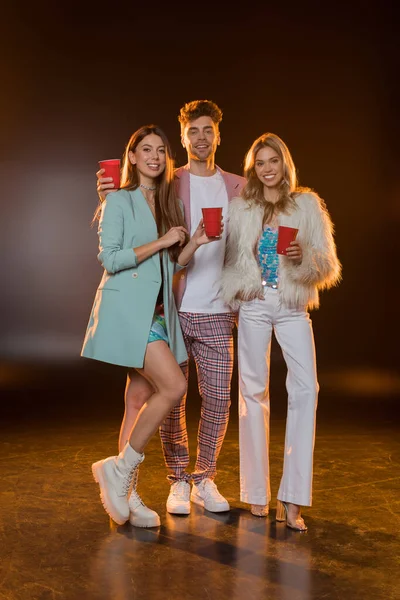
(78, 79)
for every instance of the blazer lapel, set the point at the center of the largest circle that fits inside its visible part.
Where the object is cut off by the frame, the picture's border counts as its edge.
(182, 182)
(231, 185)
(145, 219)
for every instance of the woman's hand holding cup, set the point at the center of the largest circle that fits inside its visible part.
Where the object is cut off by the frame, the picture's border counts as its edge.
(294, 252)
(105, 185)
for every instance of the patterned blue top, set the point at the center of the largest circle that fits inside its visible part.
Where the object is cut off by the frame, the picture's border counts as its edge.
(268, 257)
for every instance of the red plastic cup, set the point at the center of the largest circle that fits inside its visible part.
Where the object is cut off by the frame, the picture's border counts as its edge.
(212, 221)
(112, 168)
(285, 236)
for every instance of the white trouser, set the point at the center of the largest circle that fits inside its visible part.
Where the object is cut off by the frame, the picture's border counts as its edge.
(293, 331)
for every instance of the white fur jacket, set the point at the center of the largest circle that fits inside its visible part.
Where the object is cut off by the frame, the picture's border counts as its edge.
(298, 283)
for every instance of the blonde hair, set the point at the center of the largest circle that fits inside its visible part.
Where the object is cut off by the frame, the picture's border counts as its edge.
(253, 190)
(168, 211)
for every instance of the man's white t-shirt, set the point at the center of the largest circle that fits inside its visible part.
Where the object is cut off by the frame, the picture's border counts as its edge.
(204, 271)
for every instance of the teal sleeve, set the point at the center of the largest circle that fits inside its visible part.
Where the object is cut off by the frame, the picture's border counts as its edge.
(178, 267)
(112, 256)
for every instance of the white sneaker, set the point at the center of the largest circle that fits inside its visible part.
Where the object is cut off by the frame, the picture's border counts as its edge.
(114, 475)
(206, 494)
(178, 502)
(141, 515)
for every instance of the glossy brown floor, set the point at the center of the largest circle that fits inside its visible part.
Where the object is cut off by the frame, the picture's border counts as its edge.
(57, 542)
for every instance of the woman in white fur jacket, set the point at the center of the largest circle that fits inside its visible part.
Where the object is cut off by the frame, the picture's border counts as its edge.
(273, 293)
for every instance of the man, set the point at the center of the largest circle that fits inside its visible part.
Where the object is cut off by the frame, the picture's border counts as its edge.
(207, 323)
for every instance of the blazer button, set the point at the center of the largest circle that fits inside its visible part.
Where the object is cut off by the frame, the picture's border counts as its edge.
(134, 275)
(182, 277)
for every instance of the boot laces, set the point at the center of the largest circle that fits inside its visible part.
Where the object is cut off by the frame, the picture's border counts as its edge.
(127, 482)
(130, 485)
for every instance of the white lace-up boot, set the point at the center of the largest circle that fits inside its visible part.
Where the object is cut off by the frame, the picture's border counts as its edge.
(206, 494)
(178, 502)
(114, 476)
(140, 515)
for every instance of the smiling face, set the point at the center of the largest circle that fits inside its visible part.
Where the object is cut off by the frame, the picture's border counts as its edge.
(149, 157)
(268, 166)
(200, 137)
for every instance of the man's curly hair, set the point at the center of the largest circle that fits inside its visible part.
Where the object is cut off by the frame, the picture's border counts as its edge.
(199, 108)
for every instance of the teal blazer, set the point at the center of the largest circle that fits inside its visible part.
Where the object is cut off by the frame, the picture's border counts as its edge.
(123, 308)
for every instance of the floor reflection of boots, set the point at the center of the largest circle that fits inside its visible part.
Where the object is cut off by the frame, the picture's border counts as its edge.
(110, 575)
(120, 565)
(140, 534)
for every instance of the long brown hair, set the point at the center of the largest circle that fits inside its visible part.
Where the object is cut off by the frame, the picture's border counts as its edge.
(167, 209)
(253, 191)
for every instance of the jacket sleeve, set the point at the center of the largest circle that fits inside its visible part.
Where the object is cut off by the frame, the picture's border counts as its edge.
(320, 266)
(240, 278)
(112, 256)
(233, 234)
(178, 267)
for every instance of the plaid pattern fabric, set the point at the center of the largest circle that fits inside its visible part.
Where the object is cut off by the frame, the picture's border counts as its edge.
(209, 342)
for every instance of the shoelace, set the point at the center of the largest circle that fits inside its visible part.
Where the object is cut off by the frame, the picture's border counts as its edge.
(127, 482)
(131, 481)
(210, 489)
(181, 491)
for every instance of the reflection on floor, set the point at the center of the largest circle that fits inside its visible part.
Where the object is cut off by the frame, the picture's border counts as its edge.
(57, 542)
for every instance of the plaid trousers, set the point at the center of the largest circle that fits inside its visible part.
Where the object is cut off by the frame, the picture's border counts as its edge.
(209, 341)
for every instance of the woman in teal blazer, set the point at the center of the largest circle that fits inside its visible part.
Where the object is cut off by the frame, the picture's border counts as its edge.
(134, 321)
(123, 309)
